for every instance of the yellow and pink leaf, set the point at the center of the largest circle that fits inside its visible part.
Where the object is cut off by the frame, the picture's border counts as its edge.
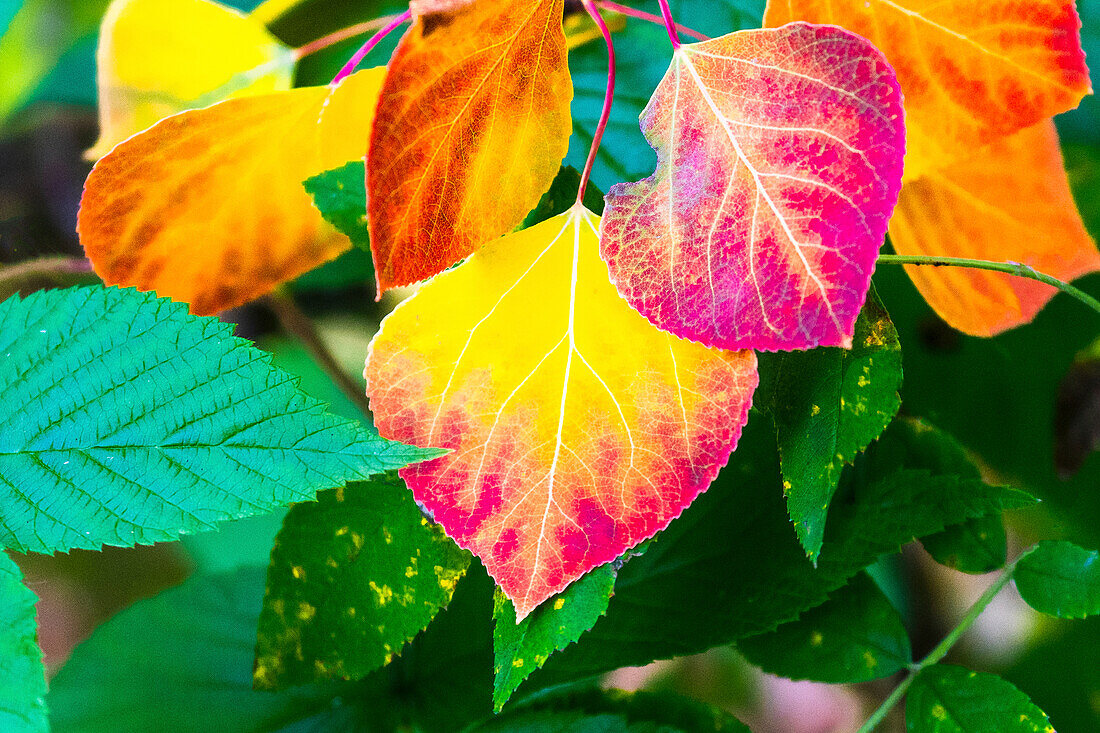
(779, 165)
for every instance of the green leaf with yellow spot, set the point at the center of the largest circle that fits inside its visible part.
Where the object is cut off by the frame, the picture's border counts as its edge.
(1060, 579)
(341, 196)
(353, 578)
(976, 546)
(947, 699)
(520, 649)
(828, 404)
(855, 636)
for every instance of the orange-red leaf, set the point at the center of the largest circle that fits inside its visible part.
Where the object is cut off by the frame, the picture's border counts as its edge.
(779, 163)
(970, 72)
(1011, 202)
(208, 206)
(472, 127)
(577, 429)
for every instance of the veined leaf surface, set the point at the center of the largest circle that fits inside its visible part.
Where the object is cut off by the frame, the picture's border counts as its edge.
(577, 429)
(22, 674)
(1010, 202)
(779, 164)
(159, 57)
(970, 72)
(127, 421)
(472, 126)
(208, 206)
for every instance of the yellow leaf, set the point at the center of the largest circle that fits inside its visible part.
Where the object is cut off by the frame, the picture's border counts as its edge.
(577, 429)
(1011, 202)
(160, 57)
(208, 206)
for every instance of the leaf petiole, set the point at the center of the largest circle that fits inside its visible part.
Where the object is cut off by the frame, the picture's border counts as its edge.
(670, 24)
(650, 17)
(367, 47)
(1012, 268)
(608, 97)
(341, 35)
(945, 645)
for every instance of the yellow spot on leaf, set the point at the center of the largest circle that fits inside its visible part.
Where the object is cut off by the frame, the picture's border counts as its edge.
(384, 593)
(869, 659)
(816, 638)
(815, 410)
(517, 663)
(863, 381)
(938, 712)
(306, 611)
(558, 604)
(387, 535)
(298, 572)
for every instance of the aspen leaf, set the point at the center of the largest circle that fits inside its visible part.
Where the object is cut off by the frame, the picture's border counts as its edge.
(577, 429)
(1010, 202)
(779, 163)
(473, 123)
(160, 57)
(970, 72)
(208, 206)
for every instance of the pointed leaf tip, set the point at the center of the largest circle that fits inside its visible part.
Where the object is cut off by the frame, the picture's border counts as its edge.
(779, 164)
(577, 429)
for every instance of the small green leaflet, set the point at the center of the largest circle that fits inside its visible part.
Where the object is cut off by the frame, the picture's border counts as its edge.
(1060, 579)
(354, 576)
(855, 636)
(341, 196)
(979, 545)
(126, 420)
(22, 675)
(828, 404)
(947, 699)
(613, 711)
(522, 648)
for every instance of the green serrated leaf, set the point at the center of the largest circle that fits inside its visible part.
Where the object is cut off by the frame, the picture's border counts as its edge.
(126, 420)
(739, 530)
(1060, 579)
(354, 577)
(975, 546)
(520, 649)
(614, 711)
(855, 636)
(828, 404)
(182, 662)
(341, 197)
(947, 699)
(22, 675)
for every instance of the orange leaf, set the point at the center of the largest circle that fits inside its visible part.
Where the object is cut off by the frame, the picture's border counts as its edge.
(970, 72)
(577, 429)
(472, 127)
(208, 206)
(159, 57)
(1011, 202)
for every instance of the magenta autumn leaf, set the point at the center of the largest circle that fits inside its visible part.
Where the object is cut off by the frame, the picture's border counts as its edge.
(779, 165)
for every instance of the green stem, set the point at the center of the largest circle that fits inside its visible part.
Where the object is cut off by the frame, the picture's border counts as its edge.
(1012, 268)
(298, 324)
(944, 646)
(37, 272)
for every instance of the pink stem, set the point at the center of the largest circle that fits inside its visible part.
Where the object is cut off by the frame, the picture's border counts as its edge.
(341, 35)
(650, 17)
(597, 136)
(367, 47)
(670, 24)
